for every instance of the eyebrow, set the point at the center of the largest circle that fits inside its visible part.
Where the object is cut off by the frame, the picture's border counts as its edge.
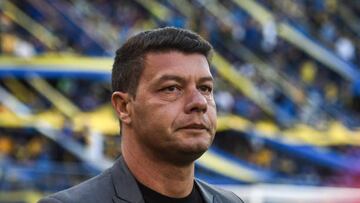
(170, 77)
(182, 80)
(206, 79)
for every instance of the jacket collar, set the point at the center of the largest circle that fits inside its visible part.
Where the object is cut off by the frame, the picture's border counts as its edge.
(125, 185)
(127, 190)
(205, 192)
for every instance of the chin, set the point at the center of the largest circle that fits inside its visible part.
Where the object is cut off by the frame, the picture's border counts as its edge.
(194, 151)
(187, 158)
(188, 149)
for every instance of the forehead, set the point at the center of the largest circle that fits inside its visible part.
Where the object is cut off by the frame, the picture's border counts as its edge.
(192, 65)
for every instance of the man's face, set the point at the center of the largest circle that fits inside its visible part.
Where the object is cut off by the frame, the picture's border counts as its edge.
(173, 114)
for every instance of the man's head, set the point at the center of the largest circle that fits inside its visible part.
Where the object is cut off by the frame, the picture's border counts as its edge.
(163, 95)
(129, 60)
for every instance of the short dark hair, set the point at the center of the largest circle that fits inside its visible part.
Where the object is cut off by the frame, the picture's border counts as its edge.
(129, 59)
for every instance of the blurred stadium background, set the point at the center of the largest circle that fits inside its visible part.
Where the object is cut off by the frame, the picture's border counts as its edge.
(287, 92)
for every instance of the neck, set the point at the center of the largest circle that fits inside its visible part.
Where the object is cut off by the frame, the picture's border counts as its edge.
(155, 173)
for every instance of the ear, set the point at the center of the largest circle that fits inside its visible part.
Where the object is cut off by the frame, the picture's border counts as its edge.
(121, 103)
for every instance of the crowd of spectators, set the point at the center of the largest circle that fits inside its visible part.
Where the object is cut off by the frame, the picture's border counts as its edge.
(287, 168)
(91, 28)
(86, 94)
(98, 27)
(29, 160)
(329, 94)
(78, 27)
(328, 24)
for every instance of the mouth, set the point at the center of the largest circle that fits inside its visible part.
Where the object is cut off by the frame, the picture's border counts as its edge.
(194, 126)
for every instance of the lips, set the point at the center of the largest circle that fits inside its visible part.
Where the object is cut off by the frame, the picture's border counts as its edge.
(194, 126)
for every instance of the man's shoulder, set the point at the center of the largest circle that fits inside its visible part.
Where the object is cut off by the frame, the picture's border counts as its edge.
(96, 189)
(220, 194)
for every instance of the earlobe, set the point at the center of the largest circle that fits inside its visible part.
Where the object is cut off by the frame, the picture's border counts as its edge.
(120, 102)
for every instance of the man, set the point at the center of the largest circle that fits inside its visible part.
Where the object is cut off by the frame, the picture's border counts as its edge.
(163, 96)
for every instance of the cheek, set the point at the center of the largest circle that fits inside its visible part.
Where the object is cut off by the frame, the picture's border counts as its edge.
(155, 114)
(212, 116)
(212, 109)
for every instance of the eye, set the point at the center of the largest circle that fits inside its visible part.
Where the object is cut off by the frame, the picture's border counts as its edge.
(206, 89)
(171, 89)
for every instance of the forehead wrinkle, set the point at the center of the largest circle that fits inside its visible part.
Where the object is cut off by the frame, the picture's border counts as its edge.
(155, 77)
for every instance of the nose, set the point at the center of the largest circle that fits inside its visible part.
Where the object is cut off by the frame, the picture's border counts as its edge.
(196, 102)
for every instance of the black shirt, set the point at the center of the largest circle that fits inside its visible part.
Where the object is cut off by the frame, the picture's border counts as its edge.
(151, 196)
